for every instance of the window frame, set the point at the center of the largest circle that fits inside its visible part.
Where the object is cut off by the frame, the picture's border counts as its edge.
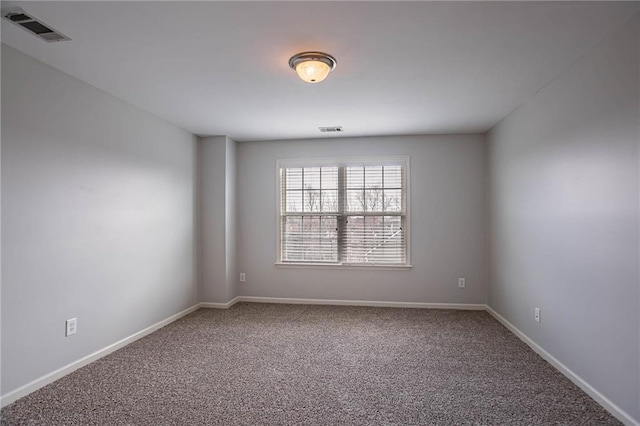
(404, 161)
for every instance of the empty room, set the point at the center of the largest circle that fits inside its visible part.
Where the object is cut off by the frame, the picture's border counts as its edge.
(319, 213)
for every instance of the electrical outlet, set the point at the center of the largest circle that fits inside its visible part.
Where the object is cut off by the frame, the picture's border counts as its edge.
(462, 282)
(72, 327)
(243, 277)
(536, 314)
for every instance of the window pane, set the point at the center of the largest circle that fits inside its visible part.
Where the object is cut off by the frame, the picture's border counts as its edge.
(390, 248)
(292, 239)
(310, 239)
(355, 200)
(311, 200)
(373, 200)
(293, 178)
(329, 201)
(373, 177)
(393, 200)
(329, 176)
(328, 239)
(356, 245)
(312, 178)
(293, 201)
(393, 177)
(374, 239)
(311, 229)
(355, 177)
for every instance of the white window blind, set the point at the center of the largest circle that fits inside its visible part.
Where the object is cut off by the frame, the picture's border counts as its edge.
(353, 214)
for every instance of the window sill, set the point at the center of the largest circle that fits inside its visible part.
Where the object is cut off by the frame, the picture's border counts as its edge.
(342, 266)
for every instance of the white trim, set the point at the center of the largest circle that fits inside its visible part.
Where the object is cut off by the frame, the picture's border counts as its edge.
(376, 160)
(616, 411)
(405, 160)
(215, 305)
(373, 303)
(40, 382)
(36, 384)
(378, 266)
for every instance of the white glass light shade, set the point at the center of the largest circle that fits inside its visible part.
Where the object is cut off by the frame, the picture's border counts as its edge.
(312, 67)
(312, 71)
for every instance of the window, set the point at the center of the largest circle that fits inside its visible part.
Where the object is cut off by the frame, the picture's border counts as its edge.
(343, 212)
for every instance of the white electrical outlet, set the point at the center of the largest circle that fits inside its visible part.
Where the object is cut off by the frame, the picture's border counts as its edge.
(243, 277)
(462, 282)
(72, 327)
(536, 314)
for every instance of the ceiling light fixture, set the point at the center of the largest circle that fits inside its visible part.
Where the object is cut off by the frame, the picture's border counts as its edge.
(312, 67)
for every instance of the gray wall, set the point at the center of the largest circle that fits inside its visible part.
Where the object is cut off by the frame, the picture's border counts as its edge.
(97, 219)
(448, 222)
(564, 218)
(217, 212)
(231, 213)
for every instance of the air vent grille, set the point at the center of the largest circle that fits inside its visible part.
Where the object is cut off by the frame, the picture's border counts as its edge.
(331, 129)
(18, 17)
(36, 27)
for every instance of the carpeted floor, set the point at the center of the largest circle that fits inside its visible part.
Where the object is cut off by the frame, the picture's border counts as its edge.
(261, 364)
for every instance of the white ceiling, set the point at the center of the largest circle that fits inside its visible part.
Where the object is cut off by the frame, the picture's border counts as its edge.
(221, 68)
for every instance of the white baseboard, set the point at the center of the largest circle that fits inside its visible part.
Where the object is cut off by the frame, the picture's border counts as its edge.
(61, 372)
(616, 411)
(36, 384)
(287, 300)
(214, 305)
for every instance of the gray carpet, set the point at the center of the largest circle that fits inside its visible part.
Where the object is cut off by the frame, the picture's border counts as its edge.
(260, 364)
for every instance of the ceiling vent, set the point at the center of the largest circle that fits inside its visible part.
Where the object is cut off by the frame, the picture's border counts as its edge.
(36, 27)
(333, 129)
